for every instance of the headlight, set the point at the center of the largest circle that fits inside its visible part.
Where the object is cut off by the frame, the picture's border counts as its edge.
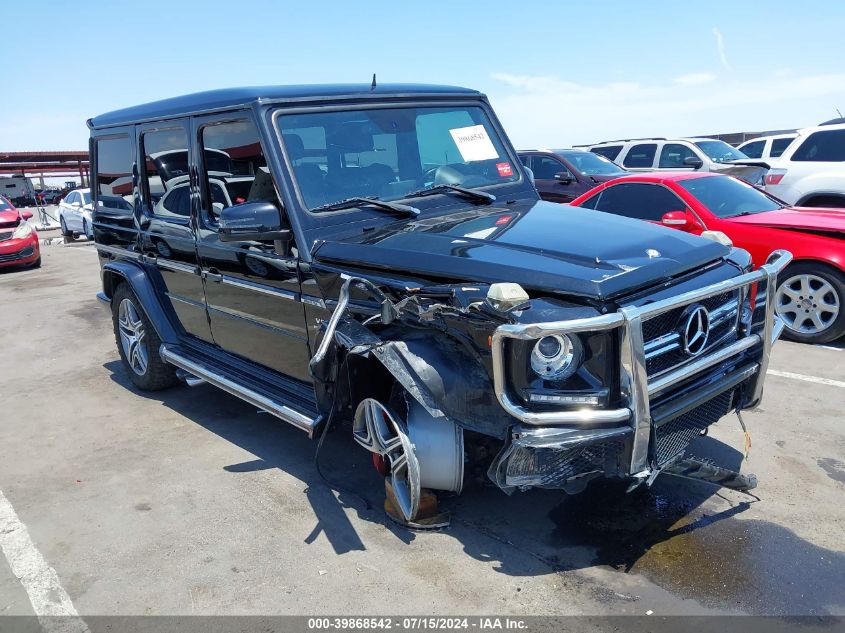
(23, 230)
(556, 357)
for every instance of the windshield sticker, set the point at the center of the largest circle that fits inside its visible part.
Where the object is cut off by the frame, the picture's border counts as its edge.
(473, 143)
(505, 169)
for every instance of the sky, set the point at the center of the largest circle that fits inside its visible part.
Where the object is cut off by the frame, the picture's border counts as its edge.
(557, 73)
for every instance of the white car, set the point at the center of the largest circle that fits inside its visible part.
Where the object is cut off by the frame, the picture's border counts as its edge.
(767, 147)
(811, 172)
(75, 214)
(681, 154)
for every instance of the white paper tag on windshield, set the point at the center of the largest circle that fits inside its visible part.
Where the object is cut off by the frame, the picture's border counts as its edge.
(473, 143)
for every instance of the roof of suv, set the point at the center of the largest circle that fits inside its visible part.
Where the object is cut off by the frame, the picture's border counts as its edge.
(620, 141)
(231, 97)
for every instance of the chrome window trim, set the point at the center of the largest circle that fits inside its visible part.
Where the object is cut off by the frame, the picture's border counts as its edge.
(635, 386)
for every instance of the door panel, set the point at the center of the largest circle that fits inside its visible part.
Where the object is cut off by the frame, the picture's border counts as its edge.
(545, 168)
(167, 234)
(252, 289)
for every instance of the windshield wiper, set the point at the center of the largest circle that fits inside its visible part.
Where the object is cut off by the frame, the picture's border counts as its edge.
(348, 203)
(469, 193)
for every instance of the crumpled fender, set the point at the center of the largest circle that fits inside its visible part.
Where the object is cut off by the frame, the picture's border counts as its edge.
(446, 379)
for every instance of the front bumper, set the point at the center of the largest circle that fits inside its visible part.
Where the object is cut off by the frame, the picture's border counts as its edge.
(660, 416)
(19, 252)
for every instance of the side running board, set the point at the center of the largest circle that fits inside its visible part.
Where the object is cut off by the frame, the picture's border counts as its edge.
(266, 402)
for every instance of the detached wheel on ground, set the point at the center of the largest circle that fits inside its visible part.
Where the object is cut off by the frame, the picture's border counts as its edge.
(138, 343)
(810, 301)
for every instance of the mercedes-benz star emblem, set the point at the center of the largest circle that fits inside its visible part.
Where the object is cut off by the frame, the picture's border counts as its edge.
(696, 330)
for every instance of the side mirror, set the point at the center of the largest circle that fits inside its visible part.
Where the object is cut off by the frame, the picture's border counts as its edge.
(26, 215)
(563, 178)
(675, 218)
(251, 222)
(530, 173)
(694, 162)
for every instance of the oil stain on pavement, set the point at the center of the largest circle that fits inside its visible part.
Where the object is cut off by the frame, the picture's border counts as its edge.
(720, 560)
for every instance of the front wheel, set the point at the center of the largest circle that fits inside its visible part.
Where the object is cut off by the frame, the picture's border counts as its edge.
(138, 343)
(89, 234)
(810, 301)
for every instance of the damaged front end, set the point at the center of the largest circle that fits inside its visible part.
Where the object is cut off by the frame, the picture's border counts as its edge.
(685, 361)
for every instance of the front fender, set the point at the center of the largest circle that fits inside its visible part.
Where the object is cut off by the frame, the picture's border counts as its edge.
(120, 271)
(445, 379)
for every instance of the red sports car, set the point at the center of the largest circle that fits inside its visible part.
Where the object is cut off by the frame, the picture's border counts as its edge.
(811, 291)
(18, 240)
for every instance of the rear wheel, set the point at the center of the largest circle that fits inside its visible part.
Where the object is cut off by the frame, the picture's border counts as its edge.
(810, 301)
(138, 343)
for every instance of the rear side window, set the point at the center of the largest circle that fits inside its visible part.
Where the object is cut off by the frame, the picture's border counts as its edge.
(114, 173)
(753, 150)
(638, 200)
(165, 170)
(779, 146)
(826, 146)
(641, 155)
(673, 154)
(610, 152)
(235, 169)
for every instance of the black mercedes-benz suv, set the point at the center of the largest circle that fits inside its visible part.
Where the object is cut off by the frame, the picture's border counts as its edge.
(378, 255)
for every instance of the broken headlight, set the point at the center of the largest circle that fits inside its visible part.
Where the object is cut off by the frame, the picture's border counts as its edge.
(570, 370)
(556, 357)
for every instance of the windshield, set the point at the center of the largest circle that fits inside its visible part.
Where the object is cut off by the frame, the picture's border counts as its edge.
(4, 204)
(593, 164)
(727, 197)
(720, 152)
(391, 152)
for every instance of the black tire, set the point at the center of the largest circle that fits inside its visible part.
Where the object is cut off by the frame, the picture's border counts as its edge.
(156, 374)
(835, 279)
(65, 232)
(88, 236)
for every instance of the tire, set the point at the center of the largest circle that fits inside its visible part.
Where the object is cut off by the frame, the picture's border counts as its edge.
(138, 343)
(88, 236)
(65, 232)
(811, 300)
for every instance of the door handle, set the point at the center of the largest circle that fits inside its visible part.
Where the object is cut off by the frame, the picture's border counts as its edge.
(212, 274)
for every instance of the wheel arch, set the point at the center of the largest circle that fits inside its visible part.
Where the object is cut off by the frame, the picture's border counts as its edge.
(808, 197)
(118, 272)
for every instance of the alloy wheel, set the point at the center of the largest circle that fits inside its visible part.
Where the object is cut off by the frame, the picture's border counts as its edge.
(808, 304)
(380, 431)
(132, 332)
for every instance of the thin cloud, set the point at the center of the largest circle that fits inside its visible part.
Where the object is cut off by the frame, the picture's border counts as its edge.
(695, 79)
(545, 111)
(720, 44)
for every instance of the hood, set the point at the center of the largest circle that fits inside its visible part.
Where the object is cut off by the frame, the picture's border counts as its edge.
(9, 218)
(807, 218)
(539, 245)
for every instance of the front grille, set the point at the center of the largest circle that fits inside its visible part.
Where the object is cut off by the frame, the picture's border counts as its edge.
(6, 235)
(662, 334)
(672, 438)
(13, 257)
(551, 468)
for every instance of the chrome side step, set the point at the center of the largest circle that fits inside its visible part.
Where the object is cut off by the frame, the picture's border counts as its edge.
(202, 372)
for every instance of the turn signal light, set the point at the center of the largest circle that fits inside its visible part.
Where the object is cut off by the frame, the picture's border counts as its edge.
(774, 176)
